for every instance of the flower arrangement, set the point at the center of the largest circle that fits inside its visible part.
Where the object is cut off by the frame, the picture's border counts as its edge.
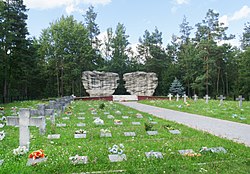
(117, 149)
(1, 108)
(138, 115)
(80, 131)
(168, 127)
(37, 154)
(148, 126)
(104, 131)
(117, 121)
(20, 151)
(98, 121)
(2, 135)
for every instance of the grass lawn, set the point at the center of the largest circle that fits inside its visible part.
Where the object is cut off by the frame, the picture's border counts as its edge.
(58, 151)
(228, 111)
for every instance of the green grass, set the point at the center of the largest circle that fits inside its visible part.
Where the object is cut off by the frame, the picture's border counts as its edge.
(228, 111)
(236, 160)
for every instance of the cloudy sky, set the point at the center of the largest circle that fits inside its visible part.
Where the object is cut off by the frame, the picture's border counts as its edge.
(139, 15)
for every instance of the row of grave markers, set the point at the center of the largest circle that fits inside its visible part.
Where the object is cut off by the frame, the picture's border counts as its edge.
(195, 97)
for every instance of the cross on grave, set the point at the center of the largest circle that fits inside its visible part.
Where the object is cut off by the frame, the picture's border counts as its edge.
(221, 99)
(177, 97)
(206, 98)
(185, 98)
(24, 121)
(195, 97)
(240, 99)
(170, 97)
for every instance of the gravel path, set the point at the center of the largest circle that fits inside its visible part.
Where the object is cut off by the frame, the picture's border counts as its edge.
(237, 132)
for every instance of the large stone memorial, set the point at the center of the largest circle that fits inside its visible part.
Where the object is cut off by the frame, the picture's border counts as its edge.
(140, 83)
(100, 83)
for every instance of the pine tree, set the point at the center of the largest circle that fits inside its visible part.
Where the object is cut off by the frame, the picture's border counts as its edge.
(176, 88)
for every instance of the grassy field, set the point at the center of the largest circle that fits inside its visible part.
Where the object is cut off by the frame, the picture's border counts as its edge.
(236, 160)
(228, 111)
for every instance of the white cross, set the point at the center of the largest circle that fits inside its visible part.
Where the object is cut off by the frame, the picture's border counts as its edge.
(177, 97)
(240, 99)
(195, 97)
(170, 97)
(185, 98)
(24, 121)
(206, 98)
(221, 99)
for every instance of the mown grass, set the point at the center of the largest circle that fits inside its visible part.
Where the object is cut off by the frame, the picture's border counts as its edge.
(236, 160)
(230, 110)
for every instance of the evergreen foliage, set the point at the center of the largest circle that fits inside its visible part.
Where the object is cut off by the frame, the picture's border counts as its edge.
(177, 88)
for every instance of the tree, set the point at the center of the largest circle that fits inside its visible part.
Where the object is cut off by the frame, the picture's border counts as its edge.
(245, 40)
(176, 88)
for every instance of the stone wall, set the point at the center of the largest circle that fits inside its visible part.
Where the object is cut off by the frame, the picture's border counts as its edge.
(140, 83)
(99, 84)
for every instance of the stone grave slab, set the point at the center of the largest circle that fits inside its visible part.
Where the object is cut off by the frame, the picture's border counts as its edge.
(214, 150)
(106, 113)
(32, 162)
(98, 121)
(152, 132)
(110, 117)
(1, 162)
(174, 131)
(139, 116)
(108, 134)
(54, 136)
(117, 158)
(125, 117)
(136, 123)
(81, 124)
(80, 135)
(153, 122)
(118, 123)
(1, 125)
(60, 125)
(129, 134)
(65, 118)
(153, 154)
(186, 151)
(81, 118)
(78, 159)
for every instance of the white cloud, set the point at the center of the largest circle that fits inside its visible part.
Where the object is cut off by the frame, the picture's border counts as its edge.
(70, 5)
(244, 12)
(180, 2)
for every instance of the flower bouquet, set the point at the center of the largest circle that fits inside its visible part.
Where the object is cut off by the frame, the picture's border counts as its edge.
(117, 153)
(98, 121)
(118, 122)
(20, 151)
(105, 133)
(36, 157)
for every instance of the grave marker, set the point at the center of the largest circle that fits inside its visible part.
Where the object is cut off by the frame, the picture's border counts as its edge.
(177, 97)
(54, 136)
(185, 98)
(221, 99)
(117, 158)
(24, 121)
(81, 124)
(136, 123)
(129, 134)
(170, 97)
(152, 132)
(240, 99)
(195, 97)
(206, 98)
(174, 131)
(153, 154)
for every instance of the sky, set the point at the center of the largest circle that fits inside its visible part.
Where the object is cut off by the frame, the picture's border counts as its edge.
(140, 15)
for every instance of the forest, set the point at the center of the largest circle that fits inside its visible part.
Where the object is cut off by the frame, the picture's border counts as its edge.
(51, 65)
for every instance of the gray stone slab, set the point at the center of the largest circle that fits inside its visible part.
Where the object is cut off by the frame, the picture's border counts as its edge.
(174, 131)
(61, 125)
(118, 123)
(32, 162)
(117, 158)
(153, 122)
(105, 134)
(110, 117)
(65, 118)
(136, 123)
(54, 136)
(81, 124)
(129, 134)
(153, 154)
(125, 117)
(78, 159)
(214, 150)
(80, 135)
(81, 118)
(152, 132)
(186, 151)
(1, 125)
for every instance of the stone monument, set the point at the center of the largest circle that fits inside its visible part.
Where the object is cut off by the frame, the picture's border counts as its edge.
(140, 83)
(99, 84)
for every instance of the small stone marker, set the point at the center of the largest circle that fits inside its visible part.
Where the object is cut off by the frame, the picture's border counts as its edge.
(99, 121)
(65, 118)
(174, 131)
(152, 132)
(117, 158)
(125, 117)
(81, 118)
(61, 125)
(170, 97)
(185, 98)
(139, 115)
(111, 117)
(1, 162)
(80, 135)
(32, 162)
(106, 113)
(78, 159)
(129, 134)
(136, 123)
(1, 125)
(206, 98)
(195, 97)
(221, 99)
(153, 154)
(107, 134)
(153, 122)
(24, 121)
(177, 97)
(54, 136)
(81, 124)
(240, 99)
(214, 149)
(185, 152)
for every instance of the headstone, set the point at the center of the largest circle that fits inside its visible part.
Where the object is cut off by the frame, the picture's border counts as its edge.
(78, 159)
(32, 162)
(138, 115)
(170, 97)
(177, 97)
(117, 158)
(152, 132)
(140, 83)
(24, 121)
(129, 134)
(125, 117)
(214, 149)
(136, 123)
(41, 109)
(81, 124)
(54, 136)
(80, 135)
(221, 99)
(195, 97)
(65, 118)
(240, 99)
(185, 98)
(174, 131)
(61, 125)
(153, 154)
(206, 98)
(185, 152)
(99, 121)
(33, 112)
(107, 134)
(100, 83)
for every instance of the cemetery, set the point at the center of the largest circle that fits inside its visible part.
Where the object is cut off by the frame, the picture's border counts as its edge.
(142, 143)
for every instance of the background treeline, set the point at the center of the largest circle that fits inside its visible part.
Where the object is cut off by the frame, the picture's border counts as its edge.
(51, 65)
